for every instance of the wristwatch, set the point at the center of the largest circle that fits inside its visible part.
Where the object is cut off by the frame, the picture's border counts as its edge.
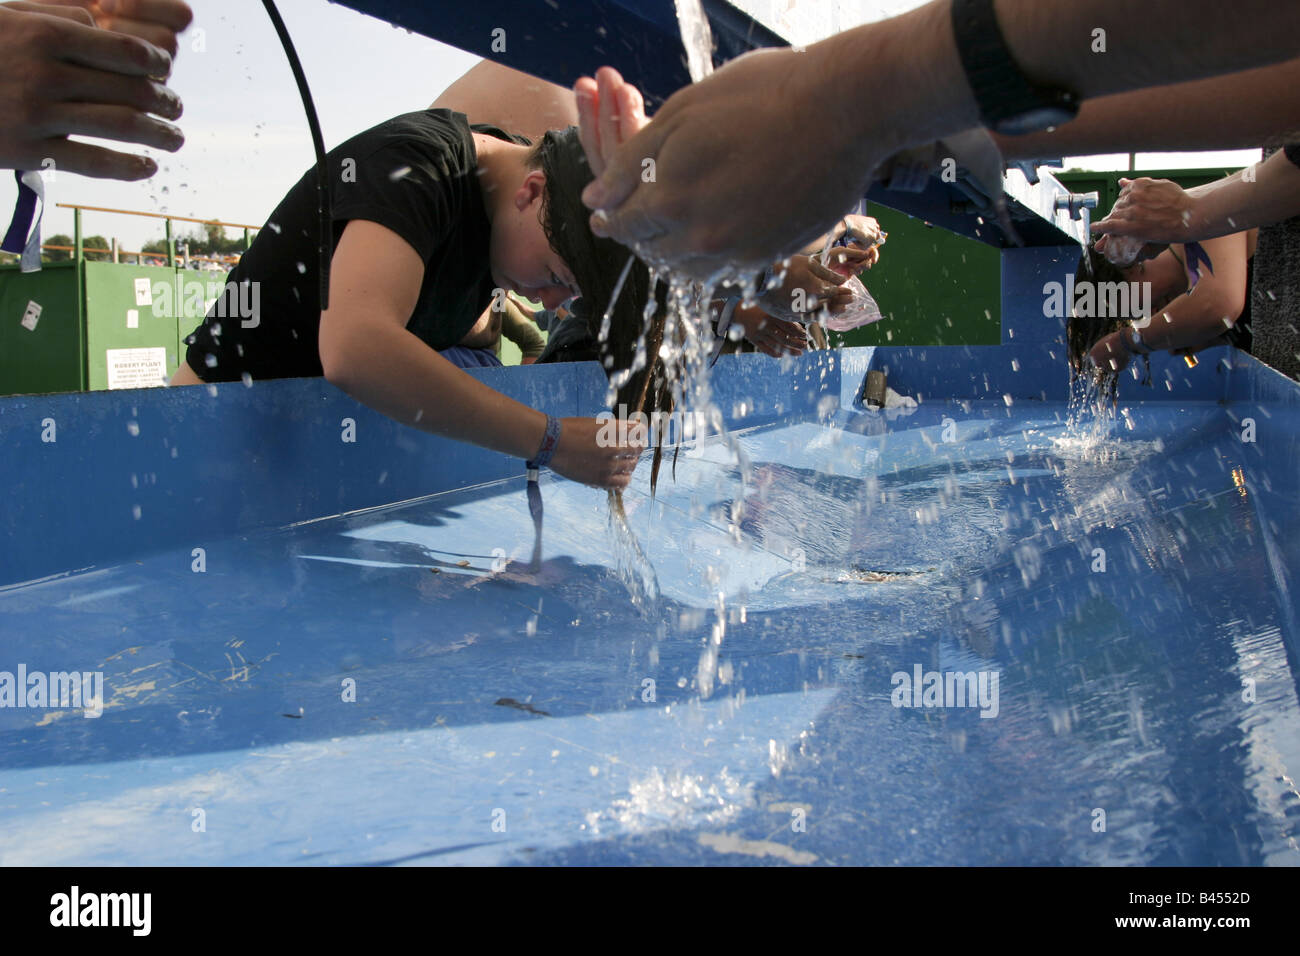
(1009, 102)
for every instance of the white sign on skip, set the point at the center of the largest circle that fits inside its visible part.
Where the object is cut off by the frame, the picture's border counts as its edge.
(136, 368)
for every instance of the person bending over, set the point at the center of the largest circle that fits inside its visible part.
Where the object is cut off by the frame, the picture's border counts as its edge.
(432, 219)
(1184, 319)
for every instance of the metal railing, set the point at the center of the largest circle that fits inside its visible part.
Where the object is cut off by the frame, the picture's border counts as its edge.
(78, 248)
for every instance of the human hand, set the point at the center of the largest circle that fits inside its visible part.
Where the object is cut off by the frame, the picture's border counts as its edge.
(157, 21)
(807, 287)
(863, 232)
(734, 187)
(1109, 354)
(770, 335)
(610, 112)
(1155, 210)
(599, 452)
(60, 76)
(848, 261)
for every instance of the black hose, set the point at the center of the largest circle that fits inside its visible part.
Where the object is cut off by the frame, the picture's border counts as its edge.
(324, 237)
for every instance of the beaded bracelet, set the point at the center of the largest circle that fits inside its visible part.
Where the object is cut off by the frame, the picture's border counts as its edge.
(550, 441)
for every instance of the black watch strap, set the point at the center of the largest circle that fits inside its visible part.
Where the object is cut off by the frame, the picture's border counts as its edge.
(1008, 101)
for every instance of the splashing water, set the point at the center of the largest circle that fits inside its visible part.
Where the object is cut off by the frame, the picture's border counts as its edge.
(697, 37)
(630, 562)
(685, 348)
(1090, 423)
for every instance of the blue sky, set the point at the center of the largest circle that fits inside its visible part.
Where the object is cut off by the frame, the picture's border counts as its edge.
(247, 137)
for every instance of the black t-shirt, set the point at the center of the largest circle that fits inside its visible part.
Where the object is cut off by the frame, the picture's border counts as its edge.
(414, 174)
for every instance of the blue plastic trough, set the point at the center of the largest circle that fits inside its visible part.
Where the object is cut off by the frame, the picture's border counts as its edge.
(322, 650)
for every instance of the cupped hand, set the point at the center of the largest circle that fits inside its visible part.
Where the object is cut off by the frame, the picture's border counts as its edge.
(1155, 210)
(597, 452)
(715, 185)
(61, 76)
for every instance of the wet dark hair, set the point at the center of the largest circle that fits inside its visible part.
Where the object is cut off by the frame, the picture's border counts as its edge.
(1082, 333)
(596, 265)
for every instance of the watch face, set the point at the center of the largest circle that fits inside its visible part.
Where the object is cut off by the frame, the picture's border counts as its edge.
(1034, 120)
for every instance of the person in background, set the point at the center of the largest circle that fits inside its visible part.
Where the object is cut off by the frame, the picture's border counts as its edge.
(481, 346)
(1266, 194)
(1185, 318)
(88, 68)
(519, 326)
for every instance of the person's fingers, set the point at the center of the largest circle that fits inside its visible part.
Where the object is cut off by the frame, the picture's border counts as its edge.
(74, 84)
(1116, 223)
(119, 123)
(610, 83)
(160, 36)
(157, 21)
(587, 95)
(172, 14)
(76, 14)
(850, 257)
(97, 162)
(626, 225)
(631, 112)
(106, 50)
(622, 173)
(827, 275)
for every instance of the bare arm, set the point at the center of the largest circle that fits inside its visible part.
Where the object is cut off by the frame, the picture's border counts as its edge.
(515, 101)
(522, 330)
(1158, 210)
(1195, 320)
(366, 351)
(1238, 203)
(1250, 108)
(832, 113)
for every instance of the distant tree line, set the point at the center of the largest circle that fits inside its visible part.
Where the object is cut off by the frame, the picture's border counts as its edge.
(206, 240)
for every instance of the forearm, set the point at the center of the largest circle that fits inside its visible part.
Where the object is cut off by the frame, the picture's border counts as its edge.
(523, 332)
(390, 370)
(1161, 42)
(1236, 203)
(1185, 324)
(1211, 308)
(1250, 108)
(1052, 42)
